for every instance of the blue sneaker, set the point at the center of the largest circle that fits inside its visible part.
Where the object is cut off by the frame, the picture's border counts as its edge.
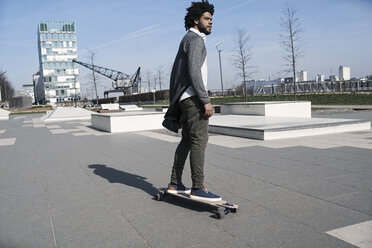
(204, 195)
(178, 189)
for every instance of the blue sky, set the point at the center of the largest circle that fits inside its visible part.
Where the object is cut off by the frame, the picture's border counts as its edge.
(131, 33)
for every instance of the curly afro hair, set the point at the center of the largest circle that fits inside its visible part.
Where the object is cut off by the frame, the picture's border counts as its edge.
(195, 11)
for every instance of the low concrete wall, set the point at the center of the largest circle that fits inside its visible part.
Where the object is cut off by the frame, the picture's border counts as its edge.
(280, 109)
(127, 122)
(20, 102)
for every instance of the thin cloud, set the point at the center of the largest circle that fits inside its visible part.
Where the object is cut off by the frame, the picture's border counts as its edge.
(139, 33)
(236, 7)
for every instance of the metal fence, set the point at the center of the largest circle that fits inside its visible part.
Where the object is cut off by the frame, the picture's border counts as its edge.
(313, 87)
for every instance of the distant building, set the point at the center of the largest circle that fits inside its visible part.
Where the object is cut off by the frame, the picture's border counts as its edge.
(261, 82)
(319, 78)
(288, 80)
(19, 93)
(28, 90)
(333, 78)
(59, 76)
(344, 72)
(302, 76)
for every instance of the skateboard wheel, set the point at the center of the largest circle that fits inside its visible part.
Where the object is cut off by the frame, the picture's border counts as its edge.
(220, 213)
(158, 197)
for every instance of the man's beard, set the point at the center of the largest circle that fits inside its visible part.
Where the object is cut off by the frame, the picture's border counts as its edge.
(203, 29)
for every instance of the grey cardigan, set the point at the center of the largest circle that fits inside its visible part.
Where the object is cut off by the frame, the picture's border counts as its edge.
(186, 71)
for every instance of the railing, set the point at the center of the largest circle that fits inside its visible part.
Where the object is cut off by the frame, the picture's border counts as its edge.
(313, 87)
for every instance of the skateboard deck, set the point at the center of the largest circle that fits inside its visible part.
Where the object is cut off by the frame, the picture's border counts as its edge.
(223, 207)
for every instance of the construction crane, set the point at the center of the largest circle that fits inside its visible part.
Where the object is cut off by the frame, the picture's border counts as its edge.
(122, 81)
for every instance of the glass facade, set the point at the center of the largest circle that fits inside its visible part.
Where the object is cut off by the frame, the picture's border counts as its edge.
(59, 76)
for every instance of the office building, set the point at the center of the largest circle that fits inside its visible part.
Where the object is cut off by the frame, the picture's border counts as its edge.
(27, 90)
(59, 76)
(319, 78)
(333, 78)
(344, 72)
(302, 76)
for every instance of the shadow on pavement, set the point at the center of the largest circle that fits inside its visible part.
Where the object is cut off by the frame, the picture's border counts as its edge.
(116, 176)
(132, 180)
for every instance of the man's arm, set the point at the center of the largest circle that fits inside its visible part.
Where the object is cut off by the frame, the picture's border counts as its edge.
(195, 58)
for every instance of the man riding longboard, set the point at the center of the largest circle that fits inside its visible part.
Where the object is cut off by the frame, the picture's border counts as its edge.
(190, 106)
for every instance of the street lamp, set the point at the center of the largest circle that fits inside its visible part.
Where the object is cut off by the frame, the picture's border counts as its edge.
(154, 92)
(219, 55)
(4, 87)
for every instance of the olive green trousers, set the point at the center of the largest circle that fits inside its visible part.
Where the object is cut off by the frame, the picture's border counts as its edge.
(194, 141)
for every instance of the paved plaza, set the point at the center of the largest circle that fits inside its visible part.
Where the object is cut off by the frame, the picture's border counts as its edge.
(64, 184)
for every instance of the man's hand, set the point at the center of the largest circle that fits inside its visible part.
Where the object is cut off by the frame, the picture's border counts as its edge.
(208, 110)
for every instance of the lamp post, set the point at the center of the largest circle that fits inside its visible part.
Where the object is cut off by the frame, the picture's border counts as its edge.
(219, 56)
(4, 87)
(154, 91)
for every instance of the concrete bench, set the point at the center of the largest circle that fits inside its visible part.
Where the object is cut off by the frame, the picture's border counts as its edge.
(110, 106)
(130, 107)
(279, 109)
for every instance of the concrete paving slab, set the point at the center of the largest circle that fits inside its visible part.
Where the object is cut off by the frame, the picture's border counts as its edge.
(360, 181)
(4, 114)
(7, 142)
(159, 136)
(73, 130)
(24, 226)
(358, 234)
(318, 214)
(39, 125)
(81, 134)
(332, 157)
(57, 131)
(92, 130)
(53, 126)
(361, 201)
(261, 227)
(283, 177)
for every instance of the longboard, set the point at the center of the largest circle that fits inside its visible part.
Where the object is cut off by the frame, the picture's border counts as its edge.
(223, 207)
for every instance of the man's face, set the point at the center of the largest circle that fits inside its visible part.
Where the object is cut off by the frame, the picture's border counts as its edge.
(204, 24)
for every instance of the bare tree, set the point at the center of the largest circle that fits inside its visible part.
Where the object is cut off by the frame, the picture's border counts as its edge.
(155, 83)
(148, 74)
(159, 70)
(6, 88)
(241, 57)
(291, 40)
